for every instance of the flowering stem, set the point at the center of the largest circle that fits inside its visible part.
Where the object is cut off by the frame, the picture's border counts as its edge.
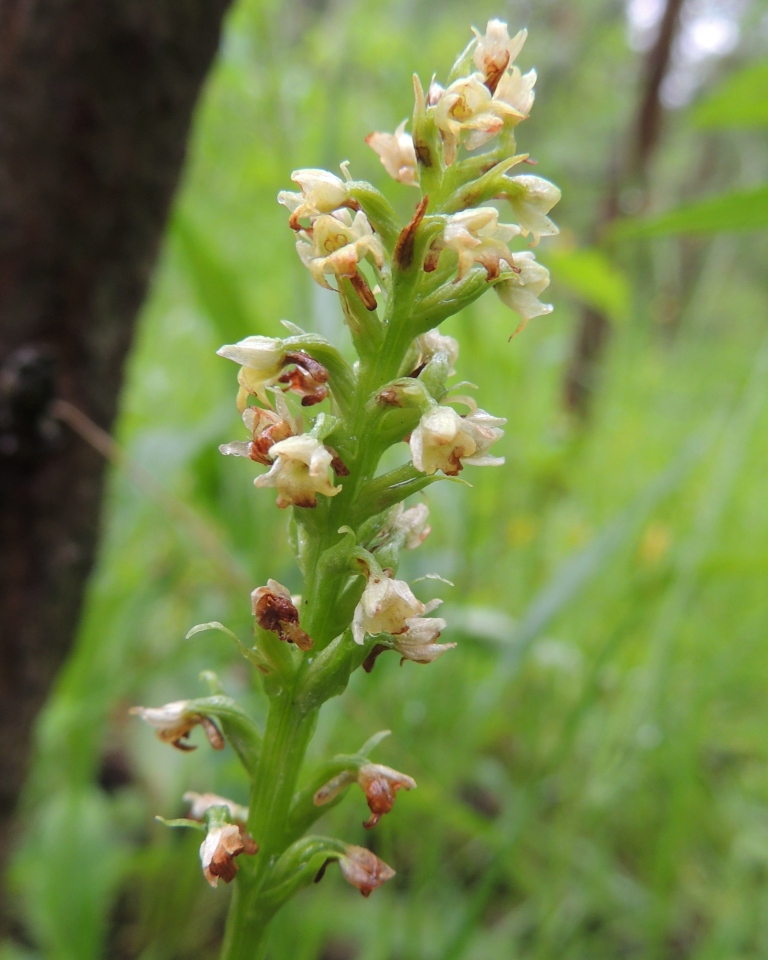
(349, 525)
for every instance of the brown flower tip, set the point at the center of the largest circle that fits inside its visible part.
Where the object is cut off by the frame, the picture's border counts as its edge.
(219, 849)
(174, 722)
(274, 611)
(403, 255)
(364, 870)
(308, 378)
(380, 785)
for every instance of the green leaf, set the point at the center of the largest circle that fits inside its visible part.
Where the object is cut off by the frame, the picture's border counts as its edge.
(592, 277)
(741, 101)
(215, 285)
(740, 210)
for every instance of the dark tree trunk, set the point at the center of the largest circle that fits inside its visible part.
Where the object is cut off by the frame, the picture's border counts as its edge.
(594, 328)
(96, 98)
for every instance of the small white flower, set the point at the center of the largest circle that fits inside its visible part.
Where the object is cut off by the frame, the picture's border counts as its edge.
(262, 360)
(466, 107)
(495, 51)
(432, 342)
(397, 154)
(476, 236)
(321, 192)
(300, 471)
(418, 641)
(336, 244)
(199, 803)
(532, 198)
(520, 291)
(217, 852)
(413, 523)
(386, 606)
(445, 441)
(515, 90)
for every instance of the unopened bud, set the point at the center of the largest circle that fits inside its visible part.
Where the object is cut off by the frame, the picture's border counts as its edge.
(364, 870)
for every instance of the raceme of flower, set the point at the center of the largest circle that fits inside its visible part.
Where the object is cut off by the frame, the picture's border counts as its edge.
(315, 428)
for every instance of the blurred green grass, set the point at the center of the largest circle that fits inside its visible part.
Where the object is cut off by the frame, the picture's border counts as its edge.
(591, 760)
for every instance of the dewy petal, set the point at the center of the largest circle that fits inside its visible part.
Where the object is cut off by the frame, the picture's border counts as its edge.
(531, 199)
(397, 154)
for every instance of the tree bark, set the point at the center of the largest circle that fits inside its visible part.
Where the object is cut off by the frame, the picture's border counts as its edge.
(96, 99)
(594, 329)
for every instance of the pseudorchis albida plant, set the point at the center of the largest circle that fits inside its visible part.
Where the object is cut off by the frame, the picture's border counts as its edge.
(348, 524)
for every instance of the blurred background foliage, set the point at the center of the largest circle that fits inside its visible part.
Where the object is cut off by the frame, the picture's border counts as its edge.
(592, 759)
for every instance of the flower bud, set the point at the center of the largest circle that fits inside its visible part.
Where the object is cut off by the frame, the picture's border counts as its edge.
(300, 471)
(364, 870)
(275, 611)
(380, 785)
(412, 524)
(397, 154)
(433, 342)
(174, 722)
(219, 849)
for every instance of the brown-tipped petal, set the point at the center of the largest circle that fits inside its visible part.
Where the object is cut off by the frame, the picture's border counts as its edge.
(380, 785)
(373, 656)
(364, 870)
(219, 849)
(275, 611)
(364, 292)
(213, 733)
(403, 255)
